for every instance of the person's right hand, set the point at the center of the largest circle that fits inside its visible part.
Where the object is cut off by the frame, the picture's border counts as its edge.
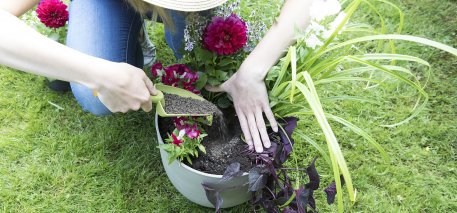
(123, 87)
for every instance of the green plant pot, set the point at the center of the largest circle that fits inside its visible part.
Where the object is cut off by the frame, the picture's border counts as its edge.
(188, 181)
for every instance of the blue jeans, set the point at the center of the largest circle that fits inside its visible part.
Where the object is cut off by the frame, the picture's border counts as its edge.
(109, 29)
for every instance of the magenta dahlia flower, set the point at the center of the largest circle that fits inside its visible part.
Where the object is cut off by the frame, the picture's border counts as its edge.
(52, 13)
(225, 36)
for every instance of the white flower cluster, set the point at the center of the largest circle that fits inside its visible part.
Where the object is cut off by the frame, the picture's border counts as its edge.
(317, 32)
(227, 9)
(256, 31)
(194, 29)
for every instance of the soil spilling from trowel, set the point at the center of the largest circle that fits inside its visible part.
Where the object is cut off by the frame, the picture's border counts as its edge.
(175, 104)
(221, 149)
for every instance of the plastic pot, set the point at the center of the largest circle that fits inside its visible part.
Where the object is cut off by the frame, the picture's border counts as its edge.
(188, 181)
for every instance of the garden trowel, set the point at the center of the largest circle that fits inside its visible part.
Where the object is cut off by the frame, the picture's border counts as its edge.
(159, 100)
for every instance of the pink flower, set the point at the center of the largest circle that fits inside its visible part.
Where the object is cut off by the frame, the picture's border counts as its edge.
(176, 140)
(225, 36)
(53, 13)
(156, 68)
(192, 132)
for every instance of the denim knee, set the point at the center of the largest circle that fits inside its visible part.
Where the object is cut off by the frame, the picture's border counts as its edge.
(107, 30)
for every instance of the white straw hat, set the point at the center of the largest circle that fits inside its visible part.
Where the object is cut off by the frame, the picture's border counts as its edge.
(187, 5)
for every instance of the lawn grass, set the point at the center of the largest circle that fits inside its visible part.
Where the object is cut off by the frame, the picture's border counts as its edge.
(65, 160)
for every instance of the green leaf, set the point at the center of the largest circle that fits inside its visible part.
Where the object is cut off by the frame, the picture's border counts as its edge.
(210, 71)
(225, 62)
(204, 55)
(221, 75)
(202, 148)
(171, 159)
(213, 82)
(201, 82)
(189, 160)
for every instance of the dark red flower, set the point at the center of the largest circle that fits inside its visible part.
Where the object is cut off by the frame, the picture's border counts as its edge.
(156, 68)
(180, 69)
(191, 76)
(169, 77)
(176, 140)
(190, 87)
(180, 123)
(225, 36)
(177, 75)
(52, 13)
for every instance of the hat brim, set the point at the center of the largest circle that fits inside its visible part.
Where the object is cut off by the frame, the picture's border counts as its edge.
(187, 5)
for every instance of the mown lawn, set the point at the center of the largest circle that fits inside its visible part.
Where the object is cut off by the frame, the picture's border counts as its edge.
(60, 159)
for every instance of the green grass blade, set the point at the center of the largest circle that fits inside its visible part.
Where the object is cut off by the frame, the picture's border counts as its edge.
(370, 38)
(415, 111)
(390, 72)
(349, 98)
(401, 15)
(336, 79)
(398, 57)
(383, 23)
(360, 70)
(313, 143)
(330, 135)
(324, 65)
(362, 133)
(281, 74)
(293, 58)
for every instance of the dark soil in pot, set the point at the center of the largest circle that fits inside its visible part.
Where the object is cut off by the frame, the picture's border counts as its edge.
(221, 149)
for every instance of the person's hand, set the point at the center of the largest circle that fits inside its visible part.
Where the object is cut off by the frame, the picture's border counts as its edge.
(123, 87)
(250, 99)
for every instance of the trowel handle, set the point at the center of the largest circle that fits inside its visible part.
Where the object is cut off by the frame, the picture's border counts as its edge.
(157, 98)
(154, 98)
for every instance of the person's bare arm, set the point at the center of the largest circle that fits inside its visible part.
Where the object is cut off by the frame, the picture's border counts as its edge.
(121, 87)
(247, 86)
(18, 7)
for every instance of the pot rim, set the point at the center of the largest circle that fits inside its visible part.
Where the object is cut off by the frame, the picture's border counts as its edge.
(156, 121)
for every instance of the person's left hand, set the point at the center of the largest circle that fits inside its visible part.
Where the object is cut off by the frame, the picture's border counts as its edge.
(250, 99)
